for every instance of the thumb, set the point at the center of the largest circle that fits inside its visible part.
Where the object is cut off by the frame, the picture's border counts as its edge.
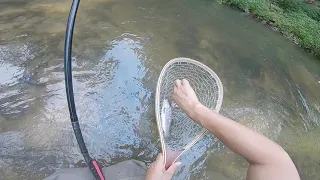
(173, 168)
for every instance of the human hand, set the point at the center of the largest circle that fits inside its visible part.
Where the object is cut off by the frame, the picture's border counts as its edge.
(157, 171)
(185, 97)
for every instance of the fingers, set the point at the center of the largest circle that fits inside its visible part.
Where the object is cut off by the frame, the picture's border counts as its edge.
(178, 83)
(173, 168)
(185, 82)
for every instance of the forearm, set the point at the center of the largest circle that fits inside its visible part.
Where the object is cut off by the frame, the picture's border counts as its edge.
(267, 159)
(254, 147)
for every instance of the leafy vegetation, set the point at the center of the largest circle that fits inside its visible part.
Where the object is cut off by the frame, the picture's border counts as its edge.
(292, 17)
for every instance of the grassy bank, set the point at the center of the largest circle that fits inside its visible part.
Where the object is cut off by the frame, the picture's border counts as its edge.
(296, 19)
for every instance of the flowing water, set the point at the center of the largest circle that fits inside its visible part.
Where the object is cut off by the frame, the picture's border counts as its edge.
(119, 49)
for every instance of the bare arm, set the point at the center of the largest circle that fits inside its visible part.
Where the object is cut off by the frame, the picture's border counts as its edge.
(266, 158)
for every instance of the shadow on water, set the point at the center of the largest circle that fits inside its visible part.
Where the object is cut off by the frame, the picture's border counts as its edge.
(120, 48)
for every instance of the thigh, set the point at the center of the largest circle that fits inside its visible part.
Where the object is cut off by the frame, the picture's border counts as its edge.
(127, 170)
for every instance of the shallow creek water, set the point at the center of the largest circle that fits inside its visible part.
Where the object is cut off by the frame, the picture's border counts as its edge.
(120, 48)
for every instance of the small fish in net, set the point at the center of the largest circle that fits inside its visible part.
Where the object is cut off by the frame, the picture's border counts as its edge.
(166, 117)
(177, 131)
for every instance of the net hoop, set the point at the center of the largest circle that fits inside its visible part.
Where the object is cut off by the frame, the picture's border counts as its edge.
(158, 108)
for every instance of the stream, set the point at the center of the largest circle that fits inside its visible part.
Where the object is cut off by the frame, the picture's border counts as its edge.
(119, 49)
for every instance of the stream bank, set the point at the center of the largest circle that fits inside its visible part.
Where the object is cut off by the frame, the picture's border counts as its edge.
(296, 20)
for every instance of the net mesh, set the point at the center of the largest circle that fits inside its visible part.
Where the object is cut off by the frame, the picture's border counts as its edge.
(207, 87)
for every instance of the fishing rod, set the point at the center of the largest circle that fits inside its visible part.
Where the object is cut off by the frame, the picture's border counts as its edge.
(92, 163)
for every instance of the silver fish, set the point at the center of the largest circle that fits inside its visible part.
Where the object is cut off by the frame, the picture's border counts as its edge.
(166, 117)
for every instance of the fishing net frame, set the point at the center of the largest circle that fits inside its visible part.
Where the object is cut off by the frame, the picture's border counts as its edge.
(204, 81)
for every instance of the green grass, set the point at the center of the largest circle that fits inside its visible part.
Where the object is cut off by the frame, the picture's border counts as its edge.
(290, 16)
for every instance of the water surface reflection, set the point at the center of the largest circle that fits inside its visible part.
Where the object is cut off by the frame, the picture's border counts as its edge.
(119, 50)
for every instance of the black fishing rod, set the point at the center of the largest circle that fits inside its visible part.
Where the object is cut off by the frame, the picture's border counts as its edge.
(92, 163)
